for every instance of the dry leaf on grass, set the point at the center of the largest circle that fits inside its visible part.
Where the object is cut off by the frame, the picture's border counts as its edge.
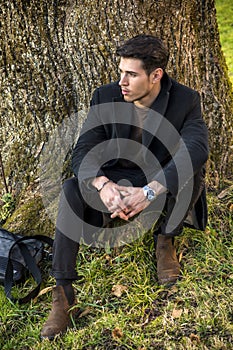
(118, 289)
(176, 313)
(225, 192)
(85, 312)
(180, 256)
(107, 258)
(194, 337)
(147, 320)
(44, 291)
(117, 333)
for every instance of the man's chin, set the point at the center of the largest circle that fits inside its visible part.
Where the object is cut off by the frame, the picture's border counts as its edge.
(128, 98)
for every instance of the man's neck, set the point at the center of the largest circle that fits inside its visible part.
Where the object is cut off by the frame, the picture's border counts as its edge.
(150, 98)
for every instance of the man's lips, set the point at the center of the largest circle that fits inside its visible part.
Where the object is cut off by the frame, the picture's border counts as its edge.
(124, 92)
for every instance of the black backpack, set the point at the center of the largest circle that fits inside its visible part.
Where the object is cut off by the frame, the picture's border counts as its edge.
(18, 256)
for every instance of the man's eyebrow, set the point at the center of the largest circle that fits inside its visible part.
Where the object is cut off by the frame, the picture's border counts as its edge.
(128, 71)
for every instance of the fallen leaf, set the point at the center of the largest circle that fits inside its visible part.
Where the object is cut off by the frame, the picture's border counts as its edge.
(225, 192)
(194, 337)
(117, 333)
(176, 313)
(44, 291)
(145, 322)
(118, 289)
(108, 259)
(180, 256)
(85, 312)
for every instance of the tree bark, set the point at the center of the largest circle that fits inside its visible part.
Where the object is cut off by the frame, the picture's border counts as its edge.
(53, 55)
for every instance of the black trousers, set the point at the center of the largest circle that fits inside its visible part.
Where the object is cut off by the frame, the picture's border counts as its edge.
(82, 214)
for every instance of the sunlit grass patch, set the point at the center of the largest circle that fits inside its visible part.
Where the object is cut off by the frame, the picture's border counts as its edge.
(225, 23)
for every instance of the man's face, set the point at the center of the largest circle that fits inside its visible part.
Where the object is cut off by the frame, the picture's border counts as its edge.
(136, 85)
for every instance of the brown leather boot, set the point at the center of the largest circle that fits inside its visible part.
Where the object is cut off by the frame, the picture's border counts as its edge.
(59, 318)
(168, 267)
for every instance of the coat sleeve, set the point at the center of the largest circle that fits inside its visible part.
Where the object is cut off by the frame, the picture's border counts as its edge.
(191, 151)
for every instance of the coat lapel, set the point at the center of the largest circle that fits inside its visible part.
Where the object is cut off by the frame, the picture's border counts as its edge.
(122, 116)
(156, 113)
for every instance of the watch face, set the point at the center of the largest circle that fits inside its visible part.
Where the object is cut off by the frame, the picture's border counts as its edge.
(150, 195)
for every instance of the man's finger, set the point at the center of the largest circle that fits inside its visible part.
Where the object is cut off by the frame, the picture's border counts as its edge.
(124, 193)
(122, 205)
(120, 214)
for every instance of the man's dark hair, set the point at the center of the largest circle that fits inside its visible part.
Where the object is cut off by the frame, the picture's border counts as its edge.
(147, 48)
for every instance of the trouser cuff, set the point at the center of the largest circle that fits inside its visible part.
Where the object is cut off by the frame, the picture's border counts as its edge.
(64, 275)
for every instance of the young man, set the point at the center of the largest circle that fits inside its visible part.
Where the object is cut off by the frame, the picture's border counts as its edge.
(142, 149)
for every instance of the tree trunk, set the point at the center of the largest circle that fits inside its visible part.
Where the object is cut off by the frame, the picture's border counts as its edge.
(55, 53)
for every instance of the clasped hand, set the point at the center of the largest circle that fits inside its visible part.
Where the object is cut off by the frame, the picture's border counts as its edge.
(123, 201)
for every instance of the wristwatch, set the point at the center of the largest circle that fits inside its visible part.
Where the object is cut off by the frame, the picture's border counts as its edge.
(149, 193)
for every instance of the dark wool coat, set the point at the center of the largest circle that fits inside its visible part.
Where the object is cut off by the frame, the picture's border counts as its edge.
(174, 139)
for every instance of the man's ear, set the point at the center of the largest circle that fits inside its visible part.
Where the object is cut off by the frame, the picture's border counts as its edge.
(157, 75)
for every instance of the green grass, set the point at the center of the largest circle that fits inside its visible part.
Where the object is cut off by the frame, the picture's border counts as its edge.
(196, 313)
(225, 23)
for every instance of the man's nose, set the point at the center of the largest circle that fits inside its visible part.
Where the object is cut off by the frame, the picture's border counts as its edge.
(123, 80)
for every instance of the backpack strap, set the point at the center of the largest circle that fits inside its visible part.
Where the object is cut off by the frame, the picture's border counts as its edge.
(31, 265)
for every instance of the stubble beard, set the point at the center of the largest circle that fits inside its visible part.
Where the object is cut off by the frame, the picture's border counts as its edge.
(133, 100)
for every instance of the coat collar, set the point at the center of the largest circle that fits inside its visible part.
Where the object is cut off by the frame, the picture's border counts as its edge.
(160, 103)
